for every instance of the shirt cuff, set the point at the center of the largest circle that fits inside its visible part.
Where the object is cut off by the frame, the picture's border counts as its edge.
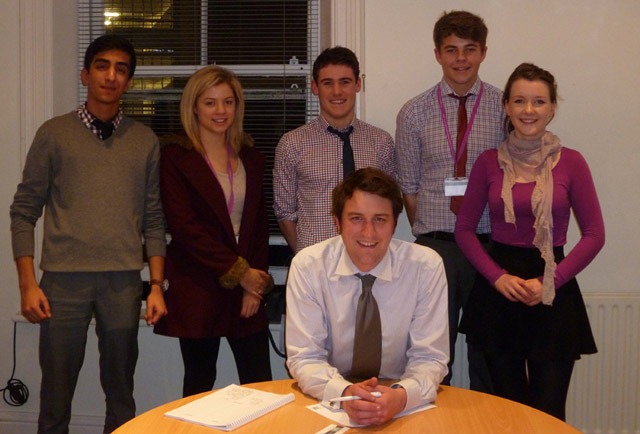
(414, 394)
(23, 244)
(155, 247)
(334, 388)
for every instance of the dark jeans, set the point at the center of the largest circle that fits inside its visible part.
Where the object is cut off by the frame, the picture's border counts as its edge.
(200, 356)
(460, 278)
(114, 298)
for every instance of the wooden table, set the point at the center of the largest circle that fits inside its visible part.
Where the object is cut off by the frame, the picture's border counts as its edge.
(459, 411)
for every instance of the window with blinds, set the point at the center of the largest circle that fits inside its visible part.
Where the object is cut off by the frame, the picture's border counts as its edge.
(269, 44)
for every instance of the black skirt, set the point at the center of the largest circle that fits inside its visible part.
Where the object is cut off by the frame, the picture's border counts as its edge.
(496, 325)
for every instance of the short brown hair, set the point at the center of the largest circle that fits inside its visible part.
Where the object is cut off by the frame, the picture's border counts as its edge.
(463, 24)
(369, 180)
(336, 56)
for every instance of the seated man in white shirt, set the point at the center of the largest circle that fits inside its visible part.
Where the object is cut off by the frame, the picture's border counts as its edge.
(410, 289)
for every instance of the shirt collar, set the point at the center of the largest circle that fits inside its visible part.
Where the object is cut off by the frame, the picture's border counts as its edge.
(346, 267)
(324, 124)
(446, 89)
(86, 117)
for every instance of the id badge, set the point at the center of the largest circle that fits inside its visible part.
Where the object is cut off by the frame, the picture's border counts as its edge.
(455, 186)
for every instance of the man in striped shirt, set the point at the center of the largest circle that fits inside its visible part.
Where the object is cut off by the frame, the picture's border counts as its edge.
(309, 159)
(428, 152)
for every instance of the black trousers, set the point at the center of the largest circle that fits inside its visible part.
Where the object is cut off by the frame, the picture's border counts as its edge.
(200, 356)
(460, 277)
(540, 384)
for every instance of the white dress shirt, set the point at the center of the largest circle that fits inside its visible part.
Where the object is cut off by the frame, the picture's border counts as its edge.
(322, 297)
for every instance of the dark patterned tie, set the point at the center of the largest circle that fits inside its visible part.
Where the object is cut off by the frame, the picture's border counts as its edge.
(105, 128)
(460, 168)
(348, 163)
(367, 343)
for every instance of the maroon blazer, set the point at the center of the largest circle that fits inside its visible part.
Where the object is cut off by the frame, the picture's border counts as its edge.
(203, 246)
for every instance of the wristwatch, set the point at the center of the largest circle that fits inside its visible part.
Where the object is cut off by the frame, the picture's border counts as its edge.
(163, 284)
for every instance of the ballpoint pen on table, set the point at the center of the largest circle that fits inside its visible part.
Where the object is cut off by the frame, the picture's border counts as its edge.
(353, 397)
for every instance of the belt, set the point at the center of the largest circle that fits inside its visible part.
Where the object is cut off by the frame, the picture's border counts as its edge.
(449, 236)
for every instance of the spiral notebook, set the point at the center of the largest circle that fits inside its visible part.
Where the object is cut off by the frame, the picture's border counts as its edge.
(230, 407)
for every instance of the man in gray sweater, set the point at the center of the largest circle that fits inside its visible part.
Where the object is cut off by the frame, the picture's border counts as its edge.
(95, 174)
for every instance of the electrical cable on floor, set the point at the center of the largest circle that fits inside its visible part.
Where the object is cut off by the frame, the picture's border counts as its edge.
(16, 393)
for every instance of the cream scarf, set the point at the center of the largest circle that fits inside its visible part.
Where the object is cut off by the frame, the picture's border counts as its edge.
(541, 155)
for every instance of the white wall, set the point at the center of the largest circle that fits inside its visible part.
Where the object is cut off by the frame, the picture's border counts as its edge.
(593, 49)
(10, 167)
(591, 46)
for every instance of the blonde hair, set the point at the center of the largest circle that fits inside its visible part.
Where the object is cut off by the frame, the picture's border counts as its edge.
(198, 83)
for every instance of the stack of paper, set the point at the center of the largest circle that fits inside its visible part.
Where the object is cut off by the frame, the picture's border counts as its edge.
(231, 407)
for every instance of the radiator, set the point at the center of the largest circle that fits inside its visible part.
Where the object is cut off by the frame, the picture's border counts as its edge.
(604, 396)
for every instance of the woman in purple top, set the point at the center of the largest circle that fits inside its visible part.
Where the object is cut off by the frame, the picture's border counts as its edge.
(526, 311)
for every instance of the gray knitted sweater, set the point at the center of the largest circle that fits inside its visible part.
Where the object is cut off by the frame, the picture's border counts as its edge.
(100, 197)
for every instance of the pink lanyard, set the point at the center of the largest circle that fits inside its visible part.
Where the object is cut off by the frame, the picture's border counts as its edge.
(443, 115)
(229, 175)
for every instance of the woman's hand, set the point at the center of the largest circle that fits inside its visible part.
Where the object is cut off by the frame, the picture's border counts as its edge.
(255, 282)
(250, 304)
(513, 288)
(534, 286)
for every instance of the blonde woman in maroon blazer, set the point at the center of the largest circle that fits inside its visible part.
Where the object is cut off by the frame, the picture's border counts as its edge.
(211, 186)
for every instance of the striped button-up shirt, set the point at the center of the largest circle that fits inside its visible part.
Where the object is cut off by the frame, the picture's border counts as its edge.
(308, 165)
(424, 156)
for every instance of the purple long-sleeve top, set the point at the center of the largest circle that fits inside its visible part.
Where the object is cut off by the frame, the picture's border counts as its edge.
(572, 188)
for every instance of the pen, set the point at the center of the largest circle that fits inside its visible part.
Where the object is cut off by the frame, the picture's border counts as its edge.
(353, 397)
